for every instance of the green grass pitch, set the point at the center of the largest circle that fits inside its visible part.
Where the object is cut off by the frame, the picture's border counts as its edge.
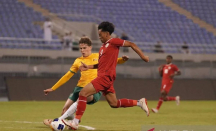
(28, 116)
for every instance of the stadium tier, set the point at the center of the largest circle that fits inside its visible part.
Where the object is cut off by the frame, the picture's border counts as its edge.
(146, 21)
(205, 10)
(17, 21)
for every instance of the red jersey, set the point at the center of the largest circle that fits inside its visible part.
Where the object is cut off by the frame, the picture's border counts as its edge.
(168, 70)
(108, 55)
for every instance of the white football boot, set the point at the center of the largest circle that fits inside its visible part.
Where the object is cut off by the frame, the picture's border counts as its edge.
(154, 110)
(71, 124)
(143, 105)
(177, 100)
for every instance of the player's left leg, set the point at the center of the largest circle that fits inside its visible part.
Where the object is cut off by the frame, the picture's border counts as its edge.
(114, 103)
(164, 97)
(174, 98)
(67, 105)
(170, 98)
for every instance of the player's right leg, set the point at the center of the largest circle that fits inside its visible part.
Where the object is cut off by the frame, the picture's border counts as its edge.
(88, 90)
(170, 98)
(114, 103)
(69, 113)
(72, 109)
(164, 97)
(160, 102)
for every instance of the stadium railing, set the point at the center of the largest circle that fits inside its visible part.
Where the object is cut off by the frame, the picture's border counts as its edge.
(57, 62)
(94, 19)
(56, 44)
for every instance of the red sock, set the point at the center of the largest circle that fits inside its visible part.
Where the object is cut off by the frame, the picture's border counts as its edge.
(159, 103)
(126, 103)
(81, 107)
(171, 98)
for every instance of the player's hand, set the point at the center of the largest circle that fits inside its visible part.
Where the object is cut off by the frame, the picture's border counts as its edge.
(172, 76)
(47, 91)
(146, 59)
(125, 58)
(83, 67)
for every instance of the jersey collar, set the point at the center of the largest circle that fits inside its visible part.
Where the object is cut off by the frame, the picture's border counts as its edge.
(107, 40)
(169, 64)
(87, 56)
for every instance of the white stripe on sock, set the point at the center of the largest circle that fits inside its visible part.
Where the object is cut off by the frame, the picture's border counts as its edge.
(119, 103)
(83, 100)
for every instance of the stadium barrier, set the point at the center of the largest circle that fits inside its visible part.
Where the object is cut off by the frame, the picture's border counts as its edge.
(27, 89)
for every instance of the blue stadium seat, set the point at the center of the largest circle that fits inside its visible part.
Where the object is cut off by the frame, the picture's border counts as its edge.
(16, 21)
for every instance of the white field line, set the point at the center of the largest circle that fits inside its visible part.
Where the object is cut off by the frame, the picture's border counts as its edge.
(19, 128)
(29, 122)
(87, 127)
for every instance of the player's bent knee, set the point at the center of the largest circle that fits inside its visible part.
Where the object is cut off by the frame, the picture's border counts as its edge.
(164, 98)
(113, 105)
(83, 93)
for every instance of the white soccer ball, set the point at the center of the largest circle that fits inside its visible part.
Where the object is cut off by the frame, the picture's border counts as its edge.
(57, 125)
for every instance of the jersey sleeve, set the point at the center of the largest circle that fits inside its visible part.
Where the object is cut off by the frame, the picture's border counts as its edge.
(120, 60)
(175, 68)
(74, 68)
(117, 42)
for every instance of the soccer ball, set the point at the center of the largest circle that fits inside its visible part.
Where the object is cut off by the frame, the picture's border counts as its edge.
(57, 125)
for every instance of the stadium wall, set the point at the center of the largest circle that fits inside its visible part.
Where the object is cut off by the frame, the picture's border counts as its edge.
(37, 62)
(26, 89)
(53, 54)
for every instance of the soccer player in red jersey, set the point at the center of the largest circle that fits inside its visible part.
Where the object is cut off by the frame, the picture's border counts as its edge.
(106, 74)
(168, 72)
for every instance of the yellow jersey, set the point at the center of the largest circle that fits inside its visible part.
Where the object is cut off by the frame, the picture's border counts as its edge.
(90, 74)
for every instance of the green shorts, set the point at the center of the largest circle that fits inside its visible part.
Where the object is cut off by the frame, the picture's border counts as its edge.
(75, 95)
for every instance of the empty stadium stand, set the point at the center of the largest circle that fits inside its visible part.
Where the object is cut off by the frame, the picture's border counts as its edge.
(145, 20)
(148, 21)
(205, 10)
(17, 21)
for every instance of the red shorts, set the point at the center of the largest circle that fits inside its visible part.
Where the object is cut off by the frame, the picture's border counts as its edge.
(166, 87)
(103, 84)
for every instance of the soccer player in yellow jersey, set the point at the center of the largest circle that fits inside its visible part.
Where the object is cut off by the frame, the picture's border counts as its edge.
(88, 58)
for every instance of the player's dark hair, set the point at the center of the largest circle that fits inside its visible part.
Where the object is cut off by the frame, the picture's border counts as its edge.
(106, 26)
(85, 40)
(169, 56)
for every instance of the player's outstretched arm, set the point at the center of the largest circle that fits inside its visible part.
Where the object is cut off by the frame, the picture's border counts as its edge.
(62, 81)
(137, 50)
(177, 73)
(122, 59)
